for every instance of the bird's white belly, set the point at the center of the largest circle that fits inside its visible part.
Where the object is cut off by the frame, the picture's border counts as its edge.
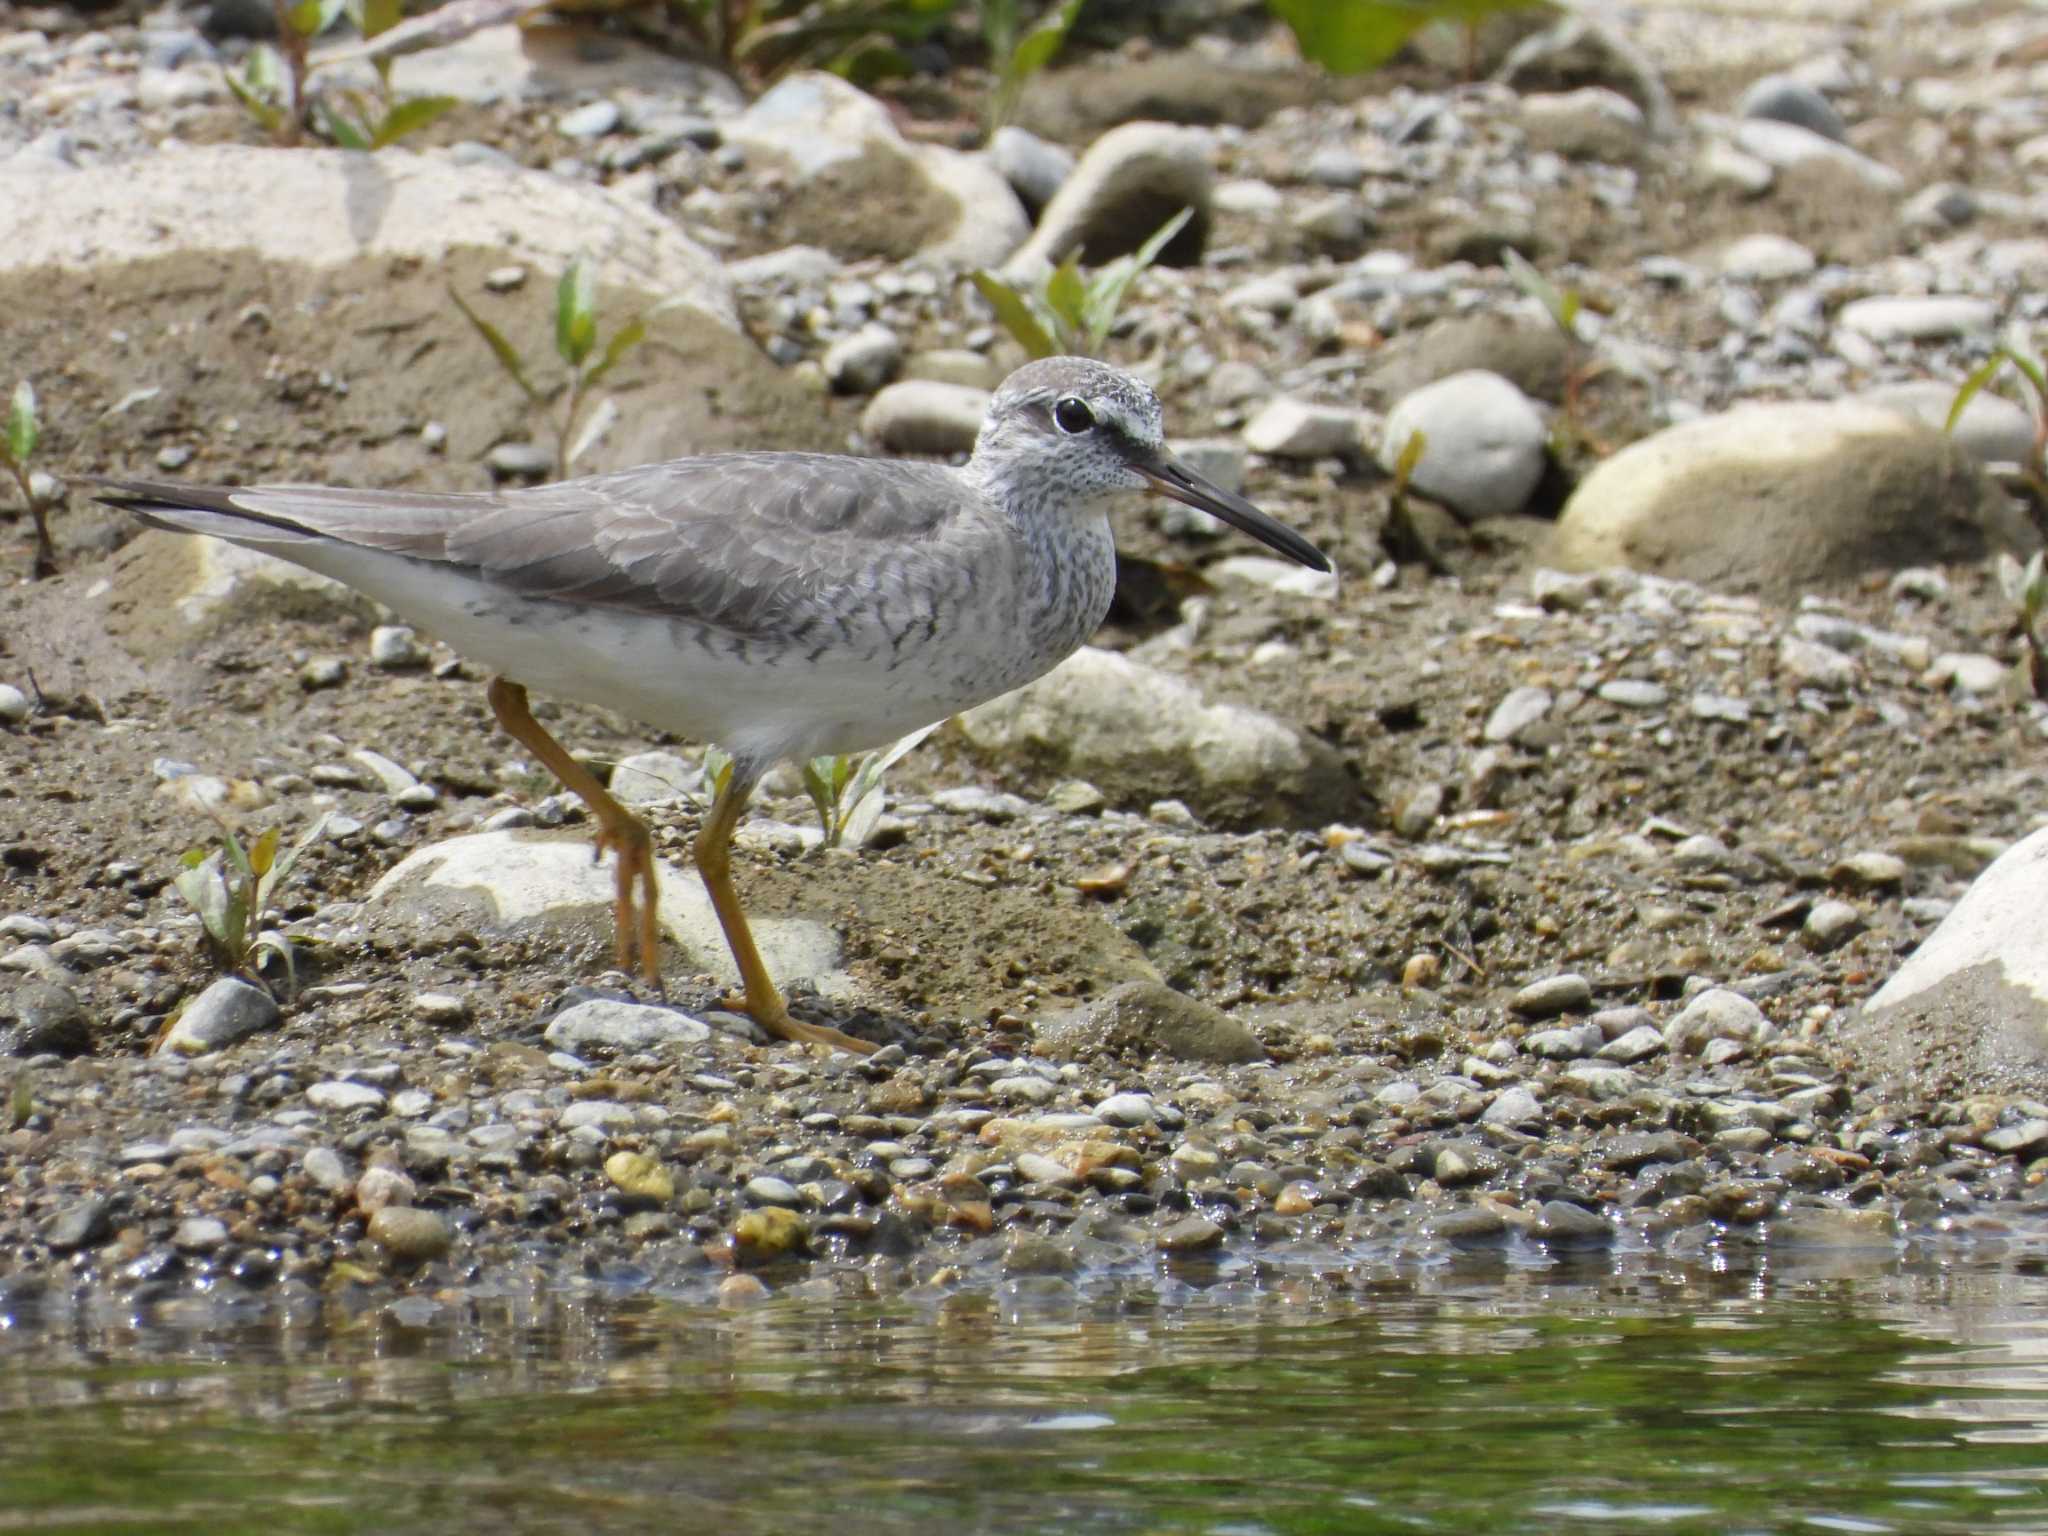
(757, 701)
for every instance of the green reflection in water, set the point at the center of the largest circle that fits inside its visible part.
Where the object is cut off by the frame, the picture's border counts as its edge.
(1903, 1404)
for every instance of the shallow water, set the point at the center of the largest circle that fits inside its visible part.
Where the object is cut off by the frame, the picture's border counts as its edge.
(1867, 1398)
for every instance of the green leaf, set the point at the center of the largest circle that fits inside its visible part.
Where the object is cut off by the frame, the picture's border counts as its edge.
(1014, 314)
(1066, 295)
(1042, 43)
(375, 16)
(501, 349)
(1411, 455)
(576, 313)
(309, 18)
(624, 340)
(1350, 37)
(22, 429)
(264, 854)
(818, 774)
(1106, 294)
(2034, 374)
(254, 94)
(410, 116)
(1980, 376)
(344, 133)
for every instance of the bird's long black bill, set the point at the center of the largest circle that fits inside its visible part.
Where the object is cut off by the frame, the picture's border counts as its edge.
(1175, 479)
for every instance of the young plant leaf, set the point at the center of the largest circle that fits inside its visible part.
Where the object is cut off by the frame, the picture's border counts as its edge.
(1042, 42)
(1014, 313)
(576, 313)
(600, 421)
(1980, 377)
(501, 349)
(345, 134)
(410, 116)
(309, 18)
(624, 340)
(22, 428)
(373, 17)
(1106, 294)
(1066, 295)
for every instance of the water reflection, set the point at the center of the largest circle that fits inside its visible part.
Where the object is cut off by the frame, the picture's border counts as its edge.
(1617, 1395)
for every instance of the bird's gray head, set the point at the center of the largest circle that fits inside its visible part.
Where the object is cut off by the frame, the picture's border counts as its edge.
(1065, 431)
(1073, 423)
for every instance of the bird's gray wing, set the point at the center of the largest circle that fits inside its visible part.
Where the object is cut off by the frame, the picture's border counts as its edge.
(751, 543)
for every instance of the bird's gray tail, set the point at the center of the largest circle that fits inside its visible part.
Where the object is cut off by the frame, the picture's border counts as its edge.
(200, 509)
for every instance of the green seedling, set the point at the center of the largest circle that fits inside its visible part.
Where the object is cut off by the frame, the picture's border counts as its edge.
(2026, 588)
(1402, 537)
(845, 789)
(17, 446)
(2033, 470)
(1564, 306)
(864, 40)
(230, 888)
(576, 346)
(1068, 314)
(21, 1100)
(1354, 37)
(1016, 53)
(274, 84)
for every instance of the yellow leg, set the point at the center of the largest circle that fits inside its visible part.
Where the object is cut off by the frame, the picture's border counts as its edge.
(618, 829)
(714, 863)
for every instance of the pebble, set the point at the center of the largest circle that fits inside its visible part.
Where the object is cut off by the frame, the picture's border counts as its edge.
(1567, 992)
(324, 1168)
(1917, 319)
(443, 1008)
(1485, 443)
(409, 1235)
(1191, 1234)
(226, 1012)
(1301, 429)
(606, 1025)
(199, 1234)
(520, 461)
(342, 1096)
(766, 1189)
(1633, 693)
(593, 120)
(395, 648)
(1522, 708)
(863, 362)
(14, 705)
(1787, 99)
(1128, 1109)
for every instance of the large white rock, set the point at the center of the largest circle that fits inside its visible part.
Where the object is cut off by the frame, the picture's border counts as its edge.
(329, 207)
(1778, 496)
(822, 127)
(1140, 734)
(1484, 443)
(1969, 1008)
(525, 882)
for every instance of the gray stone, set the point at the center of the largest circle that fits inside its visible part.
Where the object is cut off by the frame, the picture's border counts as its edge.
(1993, 429)
(592, 120)
(520, 461)
(83, 1223)
(1135, 731)
(199, 1234)
(1829, 925)
(1936, 318)
(1522, 708)
(1633, 693)
(862, 363)
(325, 1170)
(1781, 498)
(1786, 99)
(1147, 1018)
(1302, 429)
(1598, 1082)
(227, 1011)
(1968, 1010)
(1787, 147)
(1128, 1109)
(838, 142)
(766, 1189)
(409, 1235)
(622, 1028)
(1566, 992)
(395, 648)
(1513, 1107)
(1717, 1014)
(1035, 168)
(651, 778)
(1191, 1234)
(1765, 258)
(1822, 666)
(41, 1018)
(14, 705)
(1484, 443)
(1638, 1044)
(342, 1096)
(1592, 123)
(1560, 1224)
(923, 416)
(1128, 183)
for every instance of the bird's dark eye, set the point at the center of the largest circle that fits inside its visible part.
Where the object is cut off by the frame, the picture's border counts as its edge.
(1072, 415)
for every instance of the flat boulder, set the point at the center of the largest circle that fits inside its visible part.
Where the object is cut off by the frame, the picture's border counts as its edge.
(1776, 498)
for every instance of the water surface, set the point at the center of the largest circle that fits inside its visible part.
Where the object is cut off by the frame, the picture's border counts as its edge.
(1890, 1398)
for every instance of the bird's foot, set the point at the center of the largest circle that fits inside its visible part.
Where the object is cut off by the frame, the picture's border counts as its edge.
(636, 904)
(774, 1017)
